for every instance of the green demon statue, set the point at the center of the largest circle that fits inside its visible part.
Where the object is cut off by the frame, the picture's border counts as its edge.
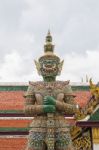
(48, 101)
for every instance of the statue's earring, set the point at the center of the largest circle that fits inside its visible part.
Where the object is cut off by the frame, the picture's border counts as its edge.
(37, 67)
(60, 67)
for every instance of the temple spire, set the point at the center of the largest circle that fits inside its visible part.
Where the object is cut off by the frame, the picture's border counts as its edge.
(48, 47)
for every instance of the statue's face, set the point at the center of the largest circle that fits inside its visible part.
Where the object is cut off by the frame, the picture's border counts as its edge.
(49, 67)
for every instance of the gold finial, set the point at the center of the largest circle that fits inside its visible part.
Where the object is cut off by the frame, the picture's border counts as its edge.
(48, 37)
(49, 32)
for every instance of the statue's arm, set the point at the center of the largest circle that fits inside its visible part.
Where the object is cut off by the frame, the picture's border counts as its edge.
(66, 107)
(60, 104)
(31, 108)
(66, 103)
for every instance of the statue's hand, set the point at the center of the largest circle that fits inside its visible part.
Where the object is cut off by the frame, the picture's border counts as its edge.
(49, 108)
(49, 100)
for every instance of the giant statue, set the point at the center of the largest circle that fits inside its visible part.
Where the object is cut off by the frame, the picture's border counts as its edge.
(48, 101)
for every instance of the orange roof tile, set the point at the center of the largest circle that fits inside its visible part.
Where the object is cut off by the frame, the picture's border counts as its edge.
(11, 100)
(23, 123)
(15, 123)
(82, 97)
(13, 143)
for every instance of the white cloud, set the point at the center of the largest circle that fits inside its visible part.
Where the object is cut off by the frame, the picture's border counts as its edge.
(11, 66)
(17, 68)
(77, 66)
(24, 24)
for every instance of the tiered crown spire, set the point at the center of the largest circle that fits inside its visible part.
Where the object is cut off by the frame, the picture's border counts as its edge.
(48, 47)
(49, 56)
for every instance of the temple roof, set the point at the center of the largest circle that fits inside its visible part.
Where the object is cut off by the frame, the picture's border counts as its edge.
(11, 95)
(14, 100)
(13, 143)
(14, 129)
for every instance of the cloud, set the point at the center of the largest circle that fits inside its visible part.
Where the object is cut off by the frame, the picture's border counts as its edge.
(24, 24)
(16, 68)
(77, 66)
(11, 66)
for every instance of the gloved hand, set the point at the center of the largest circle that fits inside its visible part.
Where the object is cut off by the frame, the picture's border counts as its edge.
(49, 108)
(49, 100)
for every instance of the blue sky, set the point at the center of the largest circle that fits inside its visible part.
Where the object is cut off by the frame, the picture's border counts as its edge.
(74, 25)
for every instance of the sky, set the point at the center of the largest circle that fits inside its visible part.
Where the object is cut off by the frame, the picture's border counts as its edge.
(74, 25)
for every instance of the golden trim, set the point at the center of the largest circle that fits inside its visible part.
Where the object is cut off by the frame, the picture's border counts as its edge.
(95, 134)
